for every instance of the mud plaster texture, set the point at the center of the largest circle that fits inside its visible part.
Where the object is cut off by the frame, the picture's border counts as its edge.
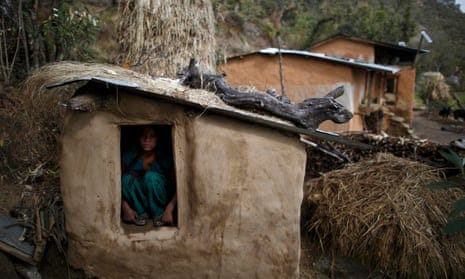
(239, 195)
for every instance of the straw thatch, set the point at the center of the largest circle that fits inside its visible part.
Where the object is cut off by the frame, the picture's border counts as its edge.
(160, 37)
(31, 129)
(381, 211)
(68, 71)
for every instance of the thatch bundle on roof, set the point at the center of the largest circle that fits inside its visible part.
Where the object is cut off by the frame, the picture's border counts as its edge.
(381, 211)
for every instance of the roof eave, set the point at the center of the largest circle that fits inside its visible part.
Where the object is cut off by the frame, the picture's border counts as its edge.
(237, 114)
(349, 62)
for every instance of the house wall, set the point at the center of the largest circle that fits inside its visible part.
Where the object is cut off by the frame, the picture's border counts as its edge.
(239, 194)
(405, 94)
(366, 52)
(303, 78)
(344, 47)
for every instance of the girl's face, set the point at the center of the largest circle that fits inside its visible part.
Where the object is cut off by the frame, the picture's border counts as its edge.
(148, 139)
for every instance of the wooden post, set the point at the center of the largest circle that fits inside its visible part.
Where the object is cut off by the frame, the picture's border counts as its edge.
(370, 93)
(281, 75)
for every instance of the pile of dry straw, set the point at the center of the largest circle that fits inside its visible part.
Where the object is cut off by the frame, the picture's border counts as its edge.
(31, 126)
(380, 211)
(164, 37)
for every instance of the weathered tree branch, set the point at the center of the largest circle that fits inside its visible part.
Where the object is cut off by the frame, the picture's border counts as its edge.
(308, 114)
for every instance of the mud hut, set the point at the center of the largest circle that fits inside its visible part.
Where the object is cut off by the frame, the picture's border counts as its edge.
(239, 179)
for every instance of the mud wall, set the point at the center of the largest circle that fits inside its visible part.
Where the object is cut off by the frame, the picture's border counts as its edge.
(304, 77)
(347, 48)
(239, 195)
(405, 94)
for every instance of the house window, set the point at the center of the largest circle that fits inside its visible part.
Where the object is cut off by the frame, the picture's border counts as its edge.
(391, 85)
(148, 185)
(390, 90)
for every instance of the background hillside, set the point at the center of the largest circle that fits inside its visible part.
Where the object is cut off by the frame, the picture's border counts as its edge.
(85, 30)
(34, 33)
(248, 25)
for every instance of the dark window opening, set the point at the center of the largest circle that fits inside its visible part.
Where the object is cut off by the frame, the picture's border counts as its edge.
(390, 91)
(148, 184)
(391, 85)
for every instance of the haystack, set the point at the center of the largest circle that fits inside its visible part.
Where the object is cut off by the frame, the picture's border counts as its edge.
(31, 126)
(160, 37)
(380, 211)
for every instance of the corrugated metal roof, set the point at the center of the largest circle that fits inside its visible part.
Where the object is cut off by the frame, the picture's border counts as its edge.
(346, 61)
(103, 80)
(371, 42)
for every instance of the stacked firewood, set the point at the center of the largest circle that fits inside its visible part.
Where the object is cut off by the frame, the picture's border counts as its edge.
(329, 156)
(40, 213)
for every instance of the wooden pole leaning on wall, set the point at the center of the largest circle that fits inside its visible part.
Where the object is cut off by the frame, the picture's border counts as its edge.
(281, 74)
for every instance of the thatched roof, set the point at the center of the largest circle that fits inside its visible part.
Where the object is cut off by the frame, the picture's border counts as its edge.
(381, 211)
(62, 73)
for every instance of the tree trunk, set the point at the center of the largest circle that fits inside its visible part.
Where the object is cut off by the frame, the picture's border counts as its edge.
(23, 36)
(36, 35)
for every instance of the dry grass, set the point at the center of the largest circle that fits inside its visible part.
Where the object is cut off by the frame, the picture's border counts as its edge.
(381, 211)
(165, 36)
(62, 72)
(68, 70)
(32, 126)
(33, 119)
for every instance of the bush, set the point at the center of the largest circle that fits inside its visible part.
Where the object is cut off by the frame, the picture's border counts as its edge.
(69, 32)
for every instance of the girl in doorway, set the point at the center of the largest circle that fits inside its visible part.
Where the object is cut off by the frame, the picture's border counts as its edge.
(146, 183)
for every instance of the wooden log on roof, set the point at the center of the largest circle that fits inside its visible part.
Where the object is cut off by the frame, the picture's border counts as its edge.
(308, 114)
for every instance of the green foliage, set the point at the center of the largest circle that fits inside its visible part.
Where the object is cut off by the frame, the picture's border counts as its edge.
(457, 222)
(69, 32)
(295, 28)
(456, 225)
(302, 22)
(421, 90)
(455, 159)
(389, 22)
(269, 30)
(33, 33)
(444, 22)
(10, 41)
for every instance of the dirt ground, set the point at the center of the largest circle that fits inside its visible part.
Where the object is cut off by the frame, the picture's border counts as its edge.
(430, 126)
(314, 263)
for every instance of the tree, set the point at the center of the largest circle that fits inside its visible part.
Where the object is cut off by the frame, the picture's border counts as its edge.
(33, 33)
(443, 23)
(160, 37)
(388, 22)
